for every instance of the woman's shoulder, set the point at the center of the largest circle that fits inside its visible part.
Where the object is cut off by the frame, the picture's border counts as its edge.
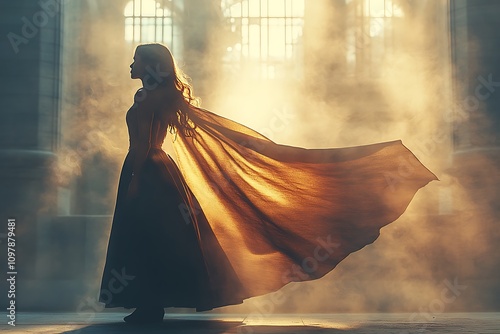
(155, 95)
(145, 98)
(141, 95)
(153, 101)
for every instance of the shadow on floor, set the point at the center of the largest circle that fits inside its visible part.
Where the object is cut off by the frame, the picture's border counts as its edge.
(197, 326)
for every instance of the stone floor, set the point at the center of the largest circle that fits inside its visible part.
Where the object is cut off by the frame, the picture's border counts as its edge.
(400, 323)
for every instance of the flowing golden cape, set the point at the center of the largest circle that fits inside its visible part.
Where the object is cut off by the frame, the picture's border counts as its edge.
(283, 213)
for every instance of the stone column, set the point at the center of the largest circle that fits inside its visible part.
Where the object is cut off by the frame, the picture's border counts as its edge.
(29, 126)
(95, 97)
(476, 54)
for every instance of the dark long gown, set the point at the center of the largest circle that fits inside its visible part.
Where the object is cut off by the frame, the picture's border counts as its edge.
(243, 216)
(154, 255)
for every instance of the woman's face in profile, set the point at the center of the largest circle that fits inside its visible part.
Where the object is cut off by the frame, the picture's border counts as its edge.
(137, 68)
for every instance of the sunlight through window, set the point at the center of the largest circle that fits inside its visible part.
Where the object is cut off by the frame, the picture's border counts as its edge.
(373, 26)
(266, 34)
(149, 21)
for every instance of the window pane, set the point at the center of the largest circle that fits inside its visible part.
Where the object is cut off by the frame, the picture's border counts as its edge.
(289, 8)
(148, 30)
(264, 4)
(137, 29)
(244, 8)
(148, 8)
(298, 8)
(254, 8)
(244, 31)
(146, 21)
(159, 30)
(268, 45)
(137, 8)
(129, 30)
(289, 31)
(129, 9)
(377, 8)
(167, 32)
(277, 8)
(371, 34)
(264, 39)
(277, 39)
(254, 41)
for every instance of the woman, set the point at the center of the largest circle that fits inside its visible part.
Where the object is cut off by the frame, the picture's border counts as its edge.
(241, 216)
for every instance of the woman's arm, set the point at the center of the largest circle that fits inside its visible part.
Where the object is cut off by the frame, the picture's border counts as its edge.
(145, 114)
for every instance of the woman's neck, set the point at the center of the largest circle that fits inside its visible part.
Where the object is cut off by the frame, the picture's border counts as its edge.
(151, 83)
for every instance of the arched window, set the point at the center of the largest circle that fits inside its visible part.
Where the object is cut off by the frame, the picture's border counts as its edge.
(267, 36)
(149, 21)
(372, 33)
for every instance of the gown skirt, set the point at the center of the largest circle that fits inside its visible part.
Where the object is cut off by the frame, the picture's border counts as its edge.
(153, 256)
(237, 215)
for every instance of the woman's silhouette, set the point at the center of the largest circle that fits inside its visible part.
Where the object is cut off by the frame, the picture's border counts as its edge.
(238, 215)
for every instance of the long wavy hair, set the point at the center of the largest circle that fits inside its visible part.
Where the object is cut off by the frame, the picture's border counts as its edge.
(170, 75)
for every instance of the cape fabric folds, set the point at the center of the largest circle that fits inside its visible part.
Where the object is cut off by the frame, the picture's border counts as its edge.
(283, 213)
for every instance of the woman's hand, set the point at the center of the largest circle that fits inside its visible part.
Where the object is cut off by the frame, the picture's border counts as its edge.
(133, 188)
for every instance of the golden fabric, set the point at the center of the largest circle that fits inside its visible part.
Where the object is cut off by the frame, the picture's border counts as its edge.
(283, 213)
(240, 216)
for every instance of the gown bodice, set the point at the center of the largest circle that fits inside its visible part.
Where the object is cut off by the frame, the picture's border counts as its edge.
(158, 128)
